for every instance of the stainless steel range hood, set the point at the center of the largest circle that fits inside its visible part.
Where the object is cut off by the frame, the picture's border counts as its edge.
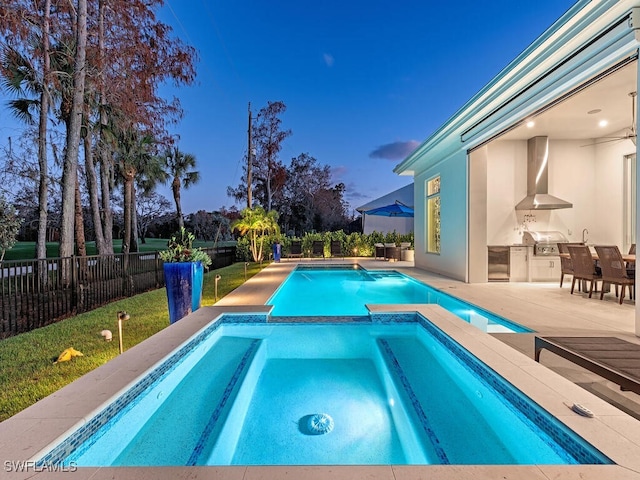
(538, 197)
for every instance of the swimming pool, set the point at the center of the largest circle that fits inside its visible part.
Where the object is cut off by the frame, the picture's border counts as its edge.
(244, 392)
(344, 290)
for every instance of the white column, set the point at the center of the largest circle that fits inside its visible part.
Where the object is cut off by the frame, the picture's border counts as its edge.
(637, 196)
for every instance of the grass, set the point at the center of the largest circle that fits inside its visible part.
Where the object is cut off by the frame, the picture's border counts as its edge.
(27, 250)
(27, 371)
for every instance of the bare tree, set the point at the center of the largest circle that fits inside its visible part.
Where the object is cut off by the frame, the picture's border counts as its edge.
(150, 207)
(268, 171)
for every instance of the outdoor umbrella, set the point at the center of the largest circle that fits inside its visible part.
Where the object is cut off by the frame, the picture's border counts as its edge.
(393, 210)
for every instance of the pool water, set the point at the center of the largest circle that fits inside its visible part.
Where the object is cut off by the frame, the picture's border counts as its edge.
(241, 393)
(345, 291)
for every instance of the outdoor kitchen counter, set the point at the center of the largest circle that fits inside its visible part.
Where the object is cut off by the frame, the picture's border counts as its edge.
(525, 266)
(519, 263)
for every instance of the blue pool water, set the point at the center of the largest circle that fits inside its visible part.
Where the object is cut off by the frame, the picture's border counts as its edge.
(345, 290)
(397, 389)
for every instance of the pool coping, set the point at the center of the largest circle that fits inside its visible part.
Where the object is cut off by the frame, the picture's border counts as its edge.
(614, 433)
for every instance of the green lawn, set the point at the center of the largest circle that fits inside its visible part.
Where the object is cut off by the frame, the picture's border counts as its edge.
(27, 371)
(27, 250)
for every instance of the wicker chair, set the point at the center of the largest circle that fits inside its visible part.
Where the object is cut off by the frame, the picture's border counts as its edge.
(614, 270)
(391, 252)
(336, 248)
(583, 266)
(566, 265)
(631, 266)
(379, 253)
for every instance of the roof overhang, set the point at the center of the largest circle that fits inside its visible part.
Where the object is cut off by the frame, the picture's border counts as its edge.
(589, 38)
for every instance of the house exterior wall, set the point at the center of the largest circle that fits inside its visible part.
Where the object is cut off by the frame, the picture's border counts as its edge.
(451, 260)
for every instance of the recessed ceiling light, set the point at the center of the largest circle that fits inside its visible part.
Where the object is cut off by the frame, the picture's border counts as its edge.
(531, 124)
(593, 112)
(603, 123)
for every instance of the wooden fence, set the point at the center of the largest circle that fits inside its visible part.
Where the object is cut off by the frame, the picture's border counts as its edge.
(35, 293)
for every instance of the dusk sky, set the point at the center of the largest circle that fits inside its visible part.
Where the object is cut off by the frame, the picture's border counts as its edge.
(364, 82)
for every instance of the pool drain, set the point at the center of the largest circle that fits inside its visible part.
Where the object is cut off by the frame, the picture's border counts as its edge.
(320, 423)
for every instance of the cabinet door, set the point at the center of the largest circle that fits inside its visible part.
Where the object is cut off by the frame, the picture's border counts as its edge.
(556, 269)
(519, 271)
(545, 269)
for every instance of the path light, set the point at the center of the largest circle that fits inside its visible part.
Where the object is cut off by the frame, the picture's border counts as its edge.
(246, 264)
(122, 315)
(108, 336)
(218, 277)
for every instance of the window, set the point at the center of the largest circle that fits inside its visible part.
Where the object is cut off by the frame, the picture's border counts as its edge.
(433, 215)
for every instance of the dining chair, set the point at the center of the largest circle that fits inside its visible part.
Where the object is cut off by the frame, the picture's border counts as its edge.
(631, 266)
(614, 270)
(583, 266)
(566, 265)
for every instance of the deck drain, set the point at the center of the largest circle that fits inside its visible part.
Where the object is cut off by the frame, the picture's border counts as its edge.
(320, 423)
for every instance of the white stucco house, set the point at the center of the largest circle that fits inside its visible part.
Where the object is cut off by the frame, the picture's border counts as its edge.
(379, 223)
(574, 88)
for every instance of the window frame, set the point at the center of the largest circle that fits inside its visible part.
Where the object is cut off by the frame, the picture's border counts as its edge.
(433, 215)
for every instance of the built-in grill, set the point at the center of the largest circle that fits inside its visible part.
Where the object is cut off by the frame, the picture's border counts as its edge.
(544, 243)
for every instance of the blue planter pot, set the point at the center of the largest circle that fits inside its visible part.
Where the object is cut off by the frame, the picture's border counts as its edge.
(184, 288)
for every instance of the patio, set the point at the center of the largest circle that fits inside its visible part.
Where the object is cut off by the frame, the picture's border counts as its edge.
(543, 307)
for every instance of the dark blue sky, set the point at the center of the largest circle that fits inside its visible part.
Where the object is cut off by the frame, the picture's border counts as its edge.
(363, 81)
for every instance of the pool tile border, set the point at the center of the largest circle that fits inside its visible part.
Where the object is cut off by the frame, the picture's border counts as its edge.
(581, 451)
(84, 436)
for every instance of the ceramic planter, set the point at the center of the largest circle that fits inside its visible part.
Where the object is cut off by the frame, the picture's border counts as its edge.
(184, 288)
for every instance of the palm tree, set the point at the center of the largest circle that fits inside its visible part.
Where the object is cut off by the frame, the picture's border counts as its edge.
(179, 167)
(20, 77)
(257, 223)
(70, 164)
(133, 156)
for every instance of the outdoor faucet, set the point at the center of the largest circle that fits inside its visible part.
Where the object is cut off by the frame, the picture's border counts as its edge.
(585, 232)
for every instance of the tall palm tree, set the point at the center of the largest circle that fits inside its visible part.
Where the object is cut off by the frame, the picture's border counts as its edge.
(70, 164)
(133, 156)
(21, 77)
(180, 168)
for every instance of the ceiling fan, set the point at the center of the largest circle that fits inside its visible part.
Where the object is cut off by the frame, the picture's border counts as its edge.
(630, 134)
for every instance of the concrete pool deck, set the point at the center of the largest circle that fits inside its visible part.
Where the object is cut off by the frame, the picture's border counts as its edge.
(543, 307)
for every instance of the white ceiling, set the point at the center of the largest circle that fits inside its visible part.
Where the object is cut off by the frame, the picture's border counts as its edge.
(571, 118)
